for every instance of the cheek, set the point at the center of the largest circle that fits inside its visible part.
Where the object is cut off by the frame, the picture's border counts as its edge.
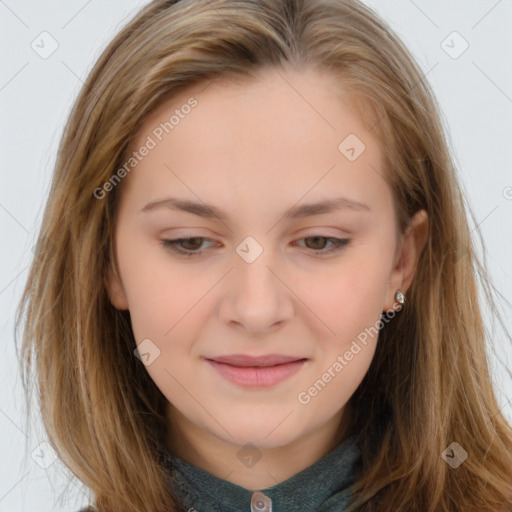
(349, 296)
(351, 306)
(332, 387)
(159, 291)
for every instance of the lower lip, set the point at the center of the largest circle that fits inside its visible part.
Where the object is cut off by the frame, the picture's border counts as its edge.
(257, 377)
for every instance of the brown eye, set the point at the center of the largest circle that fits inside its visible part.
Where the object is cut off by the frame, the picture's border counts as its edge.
(319, 242)
(190, 246)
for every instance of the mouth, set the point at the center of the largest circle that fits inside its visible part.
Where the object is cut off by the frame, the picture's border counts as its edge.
(256, 372)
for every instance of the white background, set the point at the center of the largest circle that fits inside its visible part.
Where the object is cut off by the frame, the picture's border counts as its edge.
(474, 90)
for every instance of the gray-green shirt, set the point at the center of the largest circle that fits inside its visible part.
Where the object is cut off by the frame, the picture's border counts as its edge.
(324, 486)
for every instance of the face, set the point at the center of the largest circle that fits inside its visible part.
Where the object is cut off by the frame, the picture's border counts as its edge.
(257, 273)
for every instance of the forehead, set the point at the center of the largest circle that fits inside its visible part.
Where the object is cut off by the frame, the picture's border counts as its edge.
(268, 100)
(281, 131)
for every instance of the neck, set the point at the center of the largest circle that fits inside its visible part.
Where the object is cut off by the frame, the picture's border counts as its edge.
(235, 462)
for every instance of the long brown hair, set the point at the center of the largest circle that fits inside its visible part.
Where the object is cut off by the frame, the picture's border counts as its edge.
(428, 385)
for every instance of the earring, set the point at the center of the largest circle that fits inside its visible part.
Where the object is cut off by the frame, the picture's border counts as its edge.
(400, 297)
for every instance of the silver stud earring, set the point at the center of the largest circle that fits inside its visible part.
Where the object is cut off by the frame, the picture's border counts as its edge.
(400, 297)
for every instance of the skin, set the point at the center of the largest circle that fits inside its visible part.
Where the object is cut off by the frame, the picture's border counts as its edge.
(256, 149)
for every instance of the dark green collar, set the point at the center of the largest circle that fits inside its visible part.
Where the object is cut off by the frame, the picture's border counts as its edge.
(321, 487)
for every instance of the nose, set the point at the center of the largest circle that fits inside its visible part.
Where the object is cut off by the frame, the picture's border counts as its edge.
(256, 297)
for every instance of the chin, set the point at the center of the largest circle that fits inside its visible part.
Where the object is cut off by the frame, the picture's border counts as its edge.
(265, 434)
(261, 441)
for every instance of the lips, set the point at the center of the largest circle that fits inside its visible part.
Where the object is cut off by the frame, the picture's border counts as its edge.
(245, 360)
(256, 372)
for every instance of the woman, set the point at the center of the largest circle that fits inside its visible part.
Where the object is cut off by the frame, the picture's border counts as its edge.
(325, 349)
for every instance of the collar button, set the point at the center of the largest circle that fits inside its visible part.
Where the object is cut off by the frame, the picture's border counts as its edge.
(260, 502)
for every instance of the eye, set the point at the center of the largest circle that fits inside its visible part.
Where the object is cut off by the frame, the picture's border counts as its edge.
(191, 246)
(194, 243)
(319, 243)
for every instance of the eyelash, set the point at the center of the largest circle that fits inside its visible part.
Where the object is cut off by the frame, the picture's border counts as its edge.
(338, 244)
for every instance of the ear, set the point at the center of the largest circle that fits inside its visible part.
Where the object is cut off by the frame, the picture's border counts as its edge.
(116, 291)
(406, 260)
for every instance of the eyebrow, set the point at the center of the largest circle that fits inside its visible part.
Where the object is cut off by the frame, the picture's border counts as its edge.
(202, 209)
